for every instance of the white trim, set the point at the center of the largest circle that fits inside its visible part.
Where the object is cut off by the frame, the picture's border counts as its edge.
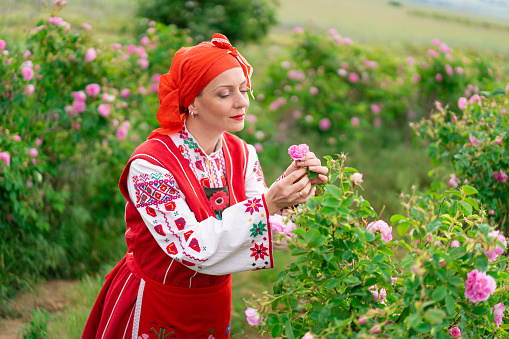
(113, 310)
(164, 281)
(128, 320)
(221, 40)
(190, 279)
(246, 159)
(231, 172)
(151, 157)
(137, 312)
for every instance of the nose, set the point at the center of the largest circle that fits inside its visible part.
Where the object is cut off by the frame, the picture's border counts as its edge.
(241, 100)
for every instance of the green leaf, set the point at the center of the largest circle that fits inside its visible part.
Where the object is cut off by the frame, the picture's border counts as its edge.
(485, 229)
(335, 191)
(333, 283)
(467, 190)
(481, 262)
(397, 217)
(386, 250)
(277, 330)
(349, 169)
(434, 225)
(467, 208)
(351, 280)
(439, 293)
(449, 304)
(472, 202)
(434, 316)
(370, 236)
(480, 310)
(423, 328)
(404, 227)
(455, 281)
(378, 258)
(346, 255)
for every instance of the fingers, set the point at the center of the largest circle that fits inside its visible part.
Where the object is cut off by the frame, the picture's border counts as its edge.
(319, 179)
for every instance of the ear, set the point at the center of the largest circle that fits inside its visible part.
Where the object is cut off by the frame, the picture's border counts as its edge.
(192, 106)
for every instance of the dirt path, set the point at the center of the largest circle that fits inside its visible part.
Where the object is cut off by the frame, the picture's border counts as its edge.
(52, 296)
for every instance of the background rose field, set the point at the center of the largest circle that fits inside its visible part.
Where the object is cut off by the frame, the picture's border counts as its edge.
(422, 121)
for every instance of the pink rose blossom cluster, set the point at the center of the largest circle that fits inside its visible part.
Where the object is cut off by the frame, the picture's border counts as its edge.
(90, 55)
(93, 90)
(281, 226)
(5, 157)
(497, 250)
(78, 106)
(253, 317)
(500, 176)
(298, 152)
(498, 314)
(378, 294)
(474, 141)
(277, 103)
(382, 227)
(122, 131)
(479, 286)
(296, 75)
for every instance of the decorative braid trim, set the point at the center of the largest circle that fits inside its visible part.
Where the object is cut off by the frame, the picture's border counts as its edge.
(137, 312)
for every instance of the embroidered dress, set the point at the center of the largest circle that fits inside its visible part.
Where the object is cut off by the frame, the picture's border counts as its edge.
(192, 220)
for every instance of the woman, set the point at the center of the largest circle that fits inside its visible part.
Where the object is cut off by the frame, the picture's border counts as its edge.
(197, 206)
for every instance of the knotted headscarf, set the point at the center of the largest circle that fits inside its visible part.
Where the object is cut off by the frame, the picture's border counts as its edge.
(191, 70)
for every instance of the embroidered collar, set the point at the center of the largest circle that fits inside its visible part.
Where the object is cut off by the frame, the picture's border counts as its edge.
(190, 142)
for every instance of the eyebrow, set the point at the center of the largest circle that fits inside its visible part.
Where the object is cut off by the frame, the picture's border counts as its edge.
(243, 83)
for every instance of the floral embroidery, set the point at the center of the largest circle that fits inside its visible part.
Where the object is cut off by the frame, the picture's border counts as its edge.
(188, 234)
(159, 230)
(258, 229)
(259, 251)
(219, 201)
(188, 263)
(194, 245)
(154, 190)
(170, 206)
(253, 205)
(181, 223)
(205, 182)
(172, 249)
(191, 144)
(257, 169)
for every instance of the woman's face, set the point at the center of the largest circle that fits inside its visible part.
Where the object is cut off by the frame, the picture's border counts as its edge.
(223, 103)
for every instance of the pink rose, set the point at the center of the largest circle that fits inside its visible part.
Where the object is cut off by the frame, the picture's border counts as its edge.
(449, 70)
(500, 176)
(313, 91)
(93, 90)
(298, 152)
(497, 250)
(378, 294)
(34, 152)
(78, 106)
(38, 142)
(104, 110)
(29, 89)
(251, 118)
(125, 93)
(2, 45)
(156, 77)
(375, 109)
(308, 335)
(433, 53)
(79, 96)
(27, 73)
(121, 133)
(108, 97)
(6, 157)
(144, 63)
(280, 226)
(382, 227)
(252, 316)
(355, 121)
(324, 124)
(90, 55)
(356, 179)
(375, 329)
(416, 78)
(410, 60)
(258, 147)
(435, 42)
(362, 320)
(86, 26)
(353, 77)
(439, 77)
(145, 40)
(462, 103)
(444, 48)
(474, 141)
(455, 332)
(342, 72)
(479, 286)
(498, 313)
(17, 138)
(455, 243)
(347, 41)
(453, 181)
(55, 20)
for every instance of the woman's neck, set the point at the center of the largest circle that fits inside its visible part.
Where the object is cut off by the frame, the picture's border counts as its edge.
(206, 138)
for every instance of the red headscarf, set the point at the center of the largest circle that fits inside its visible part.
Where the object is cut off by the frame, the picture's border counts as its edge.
(191, 70)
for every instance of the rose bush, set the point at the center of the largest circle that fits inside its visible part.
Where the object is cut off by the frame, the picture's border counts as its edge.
(72, 112)
(471, 141)
(351, 280)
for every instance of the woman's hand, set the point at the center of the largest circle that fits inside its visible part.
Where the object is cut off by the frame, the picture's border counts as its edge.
(293, 189)
(314, 164)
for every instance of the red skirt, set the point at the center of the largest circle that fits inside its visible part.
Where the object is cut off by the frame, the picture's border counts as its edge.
(131, 305)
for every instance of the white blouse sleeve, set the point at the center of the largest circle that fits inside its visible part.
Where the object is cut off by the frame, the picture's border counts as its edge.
(241, 241)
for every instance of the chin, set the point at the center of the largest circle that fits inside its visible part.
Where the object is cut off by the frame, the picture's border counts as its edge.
(236, 127)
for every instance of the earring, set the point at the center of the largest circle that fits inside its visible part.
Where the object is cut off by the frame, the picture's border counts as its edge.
(191, 113)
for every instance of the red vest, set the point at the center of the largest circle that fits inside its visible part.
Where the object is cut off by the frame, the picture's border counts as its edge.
(161, 151)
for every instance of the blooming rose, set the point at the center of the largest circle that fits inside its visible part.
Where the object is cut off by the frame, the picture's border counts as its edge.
(353, 77)
(375, 108)
(455, 332)
(462, 103)
(55, 20)
(381, 226)
(498, 250)
(479, 286)
(433, 53)
(104, 110)
(2, 45)
(455, 243)
(500, 176)
(355, 121)
(6, 157)
(474, 141)
(34, 152)
(79, 106)
(498, 313)
(121, 133)
(298, 152)
(313, 90)
(125, 93)
(27, 73)
(356, 178)
(308, 335)
(252, 316)
(79, 96)
(375, 329)
(280, 226)
(362, 320)
(144, 63)
(29, 89)
(324, 124)
(90, 55)
(93, 90)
